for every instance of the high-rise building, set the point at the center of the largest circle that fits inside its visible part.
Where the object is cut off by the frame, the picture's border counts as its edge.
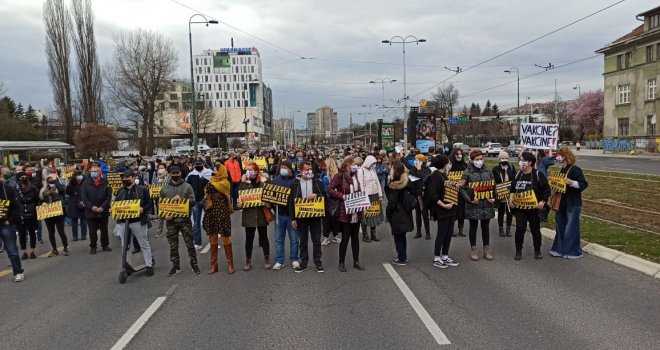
(322, 121)
(311, 122)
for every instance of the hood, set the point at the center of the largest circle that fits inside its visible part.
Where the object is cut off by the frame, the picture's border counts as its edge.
(399, 184)
(369, 161)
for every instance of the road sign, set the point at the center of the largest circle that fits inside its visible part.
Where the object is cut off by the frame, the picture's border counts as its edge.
(405, 130)
(463, 119)
(453, 120)
(422, 102)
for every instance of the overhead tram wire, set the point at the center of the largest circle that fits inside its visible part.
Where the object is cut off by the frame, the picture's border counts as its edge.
(523, 45)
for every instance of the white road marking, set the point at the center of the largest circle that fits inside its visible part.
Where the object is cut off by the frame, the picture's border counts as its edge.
(430, 324)
(135, 328)
(206, 248)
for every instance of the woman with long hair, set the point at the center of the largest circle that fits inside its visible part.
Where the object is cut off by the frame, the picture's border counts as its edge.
(253, 219)
(343, 183)
(442, 211)
(332, 165)
(26, 227)
(457, 163)
(217, 220)
(567, 239)
(401, 221)
(53, 192)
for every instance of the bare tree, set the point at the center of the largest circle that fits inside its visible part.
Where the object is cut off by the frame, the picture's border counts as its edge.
(89, 85)
(58, 22)
(447, 98)
(3, 89)
(140, 69)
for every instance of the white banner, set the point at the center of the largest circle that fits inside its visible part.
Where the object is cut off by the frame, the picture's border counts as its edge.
(539, 135)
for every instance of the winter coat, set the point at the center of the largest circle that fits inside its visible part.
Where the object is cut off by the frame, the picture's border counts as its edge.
(254, 216)
(499, 173)
(339, 186)
(368, 178)
(13, 214)
(401, 221)
(198, 182)
(436, 192)
(284, 181)
(296, 192)
(234, 169)
(96, 196)
(484, 210)
(423, 173)
(74, 198)
(53, 194)
(573, 197)
(29, 199)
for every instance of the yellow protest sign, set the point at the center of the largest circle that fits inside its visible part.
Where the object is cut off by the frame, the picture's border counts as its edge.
(451, 193)
(483, 189)
(154, 190)
(373, 210)
(129, 209)
(49, 210)
(261, 163)
(455, 175)
(68, 171)
(250, 198)
(179, 208)
(309, 208)
(556, 181)
(4, 207)
(526, 200)
(502, 190)
(114, 182)
(275, 194)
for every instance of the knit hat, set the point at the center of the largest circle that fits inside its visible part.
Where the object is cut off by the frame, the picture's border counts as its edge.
(503, 155)
(421, 157)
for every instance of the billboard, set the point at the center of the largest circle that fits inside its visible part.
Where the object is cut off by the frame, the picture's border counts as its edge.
(425, 134)
(183, 119)
(386, 136)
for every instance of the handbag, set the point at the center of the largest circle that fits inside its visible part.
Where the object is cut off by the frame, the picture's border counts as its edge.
(333, 207)
(555, 201)
(269, 215)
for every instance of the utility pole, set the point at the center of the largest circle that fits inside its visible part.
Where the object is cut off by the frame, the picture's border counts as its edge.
(557, 113)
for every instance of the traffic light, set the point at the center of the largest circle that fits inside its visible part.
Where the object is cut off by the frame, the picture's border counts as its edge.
(442, 118)
(470, 118)
(498, 115)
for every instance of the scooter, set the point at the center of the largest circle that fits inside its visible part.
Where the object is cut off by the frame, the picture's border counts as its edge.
(126, 269)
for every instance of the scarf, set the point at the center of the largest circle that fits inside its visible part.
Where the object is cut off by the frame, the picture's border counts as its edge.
(220, 181)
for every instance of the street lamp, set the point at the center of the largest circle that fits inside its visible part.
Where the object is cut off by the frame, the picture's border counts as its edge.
(293, 123)
(193, 115)
(403, 42)
(518, 75)
(382, 82)
(577, 87)
(246, 121)
(529, 118)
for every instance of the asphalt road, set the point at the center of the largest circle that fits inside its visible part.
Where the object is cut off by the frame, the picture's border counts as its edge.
(76, 302)
(620, 164)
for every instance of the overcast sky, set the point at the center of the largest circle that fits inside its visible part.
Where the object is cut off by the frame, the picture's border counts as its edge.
(344, 38)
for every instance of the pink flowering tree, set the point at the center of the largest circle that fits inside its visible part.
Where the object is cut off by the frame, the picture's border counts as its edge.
(588, 113)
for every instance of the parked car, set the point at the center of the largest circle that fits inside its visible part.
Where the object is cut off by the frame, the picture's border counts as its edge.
(492, 149)
(513, 151)
(465, 148)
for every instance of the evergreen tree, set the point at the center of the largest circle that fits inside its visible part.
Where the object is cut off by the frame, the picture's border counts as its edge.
(7, 107)
(20, 111)
(31, 116)
(495, 109)
(487, 109)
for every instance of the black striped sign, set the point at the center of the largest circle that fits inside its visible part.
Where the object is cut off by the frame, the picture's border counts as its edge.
(275, 194)
(129, 209)
(356, 202)
(526, 200)
(309, 208)
(4, 207)
(250, 198)
(373, 210)
(483, 189)
(154, 190)
(503, 190)
(178, 208)
(451, 192)
(455, 175)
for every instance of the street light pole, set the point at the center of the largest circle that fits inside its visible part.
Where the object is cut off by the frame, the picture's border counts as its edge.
(577, 87)
(403, 41)
(382, 82)
(193, 114)
(518, 75)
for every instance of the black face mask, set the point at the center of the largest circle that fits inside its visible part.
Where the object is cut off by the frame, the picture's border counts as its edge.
(504, 163)
(199, 168)
(128, 182)
(176, 178)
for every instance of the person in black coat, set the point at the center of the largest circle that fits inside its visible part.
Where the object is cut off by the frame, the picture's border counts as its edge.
(504, 172)
(401, 221)
(9, 216)
(457, 163)
(28, 195)
(96, 196)
(442, 211)
(422, 171)
(75, 207)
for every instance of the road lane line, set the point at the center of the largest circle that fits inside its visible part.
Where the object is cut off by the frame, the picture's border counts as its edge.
(135, 328)
(430, 324)
(206, 248)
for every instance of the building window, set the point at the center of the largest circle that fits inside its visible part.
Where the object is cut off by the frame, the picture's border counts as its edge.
(251, 69)
(160, 97)
(220, 104)
(174, 105)
(650, 125)
(224, 78)
(654, 21)
(174, 97)
(233, 60)
(650, 89)
(197, 61)
(628, 60)
(624, 94)
(229, 104)
(649, 54)
(624, 127)
(217, 95)
(238, 103)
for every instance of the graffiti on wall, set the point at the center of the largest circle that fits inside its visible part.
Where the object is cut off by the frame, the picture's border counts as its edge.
(614, 145)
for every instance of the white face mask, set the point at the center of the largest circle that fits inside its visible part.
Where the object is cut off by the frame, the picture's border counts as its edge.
(478, 163)
(161, 171)
(560, 159)
(523, 164)
(137, 181)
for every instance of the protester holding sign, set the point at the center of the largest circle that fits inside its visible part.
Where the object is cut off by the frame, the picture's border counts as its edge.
(456, 164)
(369, 182)
(345, 183)
(217, 218)
(285, 178)
(400, 219)
(421, 170)
(27, 225)
(529, 179)
(51, 193)
(504, 172)
(9, 216)
(442, 211)
(479, 212)
(254, 217)
(567, 240)
(75, 207)
(96, 194)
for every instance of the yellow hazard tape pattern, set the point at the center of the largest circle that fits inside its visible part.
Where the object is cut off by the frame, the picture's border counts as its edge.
(154, 190)
(180, 208)
(250, 198)
(128, 209)
(309, 208)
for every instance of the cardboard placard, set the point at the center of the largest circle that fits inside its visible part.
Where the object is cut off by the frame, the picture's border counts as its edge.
(483, 189)
(114, 182)
(373, 210)
(556, 181)
(275, 194)
(260, 161)
(250, 198)
(50, 210)
(451, 193)
(539, 135)
(68, 171)
(526, 200)
(356, 202)
(178, 208)
(455, 175)
(154, 190)
(128, 209)
(309, 208)
(503, 190)
(4, 207)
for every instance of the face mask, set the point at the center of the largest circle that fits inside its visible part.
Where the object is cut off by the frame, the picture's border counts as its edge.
(79, 177)
(560, 159)
(523, 164)
(250, 174)
(176, 178)
(137, 181)
(459, 157)
(161, 171)
(284, 172)
(7, 176)
(504, 163)
(308, 174)
(199, 168)
(29, 174)
(354, 168)
(127, 182)
(94, 175)
(478, 163)
(300, 159)
(51, 184)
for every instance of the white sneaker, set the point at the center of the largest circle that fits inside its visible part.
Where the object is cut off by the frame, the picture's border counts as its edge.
(337, 239)
(278, 266)
(295, 264)
(19, 277)
(198, 247)
(326, 241)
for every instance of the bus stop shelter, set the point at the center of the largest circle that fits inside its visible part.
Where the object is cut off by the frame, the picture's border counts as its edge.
(9, 147)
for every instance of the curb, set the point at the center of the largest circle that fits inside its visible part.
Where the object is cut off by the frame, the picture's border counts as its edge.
(626, 260)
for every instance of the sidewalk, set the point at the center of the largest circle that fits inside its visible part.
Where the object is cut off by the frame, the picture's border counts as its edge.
(600, 153)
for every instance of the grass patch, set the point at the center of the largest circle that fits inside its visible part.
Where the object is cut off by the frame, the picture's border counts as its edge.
(630, 241)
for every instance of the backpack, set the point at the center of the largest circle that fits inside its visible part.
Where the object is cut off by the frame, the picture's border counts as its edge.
(426, 196)
(407, 200)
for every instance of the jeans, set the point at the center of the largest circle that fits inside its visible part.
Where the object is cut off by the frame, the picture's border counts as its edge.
(531, 216)
(485, 232)
(307, 228)
(8, 237)
(401, 244)
(139, 231)
(197, 210)
(39, 235)
(281, 229)
(83, 228)
(567, 239)
(443, 237)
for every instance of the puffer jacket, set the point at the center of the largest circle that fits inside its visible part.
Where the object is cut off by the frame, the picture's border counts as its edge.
(253, 217)
(401, 221)
(368, 178)
(484, 210)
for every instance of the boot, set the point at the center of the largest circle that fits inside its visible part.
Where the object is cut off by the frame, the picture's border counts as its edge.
(502, 232)
(460, 231)
(473, 254)
(229, 254)
(537, 253)
(518, 255)
(373, 235)
(365, 237)
(267, 264)
(248, 264)
(418, 235)
(214, 254)
(508, 231)
(487, 254)
(428, 235)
